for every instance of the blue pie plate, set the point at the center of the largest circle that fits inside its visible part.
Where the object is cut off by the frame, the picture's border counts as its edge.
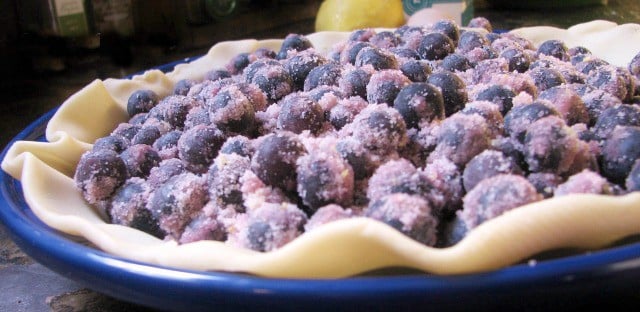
(610, 277)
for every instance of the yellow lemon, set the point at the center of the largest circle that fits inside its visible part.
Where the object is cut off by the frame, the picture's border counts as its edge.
(347, 15)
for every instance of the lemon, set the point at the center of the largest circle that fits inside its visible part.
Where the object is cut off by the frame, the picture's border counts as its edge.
(348, 15)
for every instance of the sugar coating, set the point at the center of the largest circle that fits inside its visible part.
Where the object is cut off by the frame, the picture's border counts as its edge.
(267, 227)
(406, 213)
(585, 181)
(326, 214)
(495, 196)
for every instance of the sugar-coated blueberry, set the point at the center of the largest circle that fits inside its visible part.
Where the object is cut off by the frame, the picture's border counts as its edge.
(545, 78)
(111, 142)
(456, 62)
(632, 182)
(618, 115)
(238, 144)
(294, 42)
(405, 53)
(198, 146)
(217, 74)
(518, 60)
(350, 52)
(139, 159)
(274, 160)
(555, 48)
(620, 152)
(354, 82)
(384, 85)
(497, 94)
(517, 120)
(419, 102)
(377, 58)
(480, 22)
(299, 66)
(141, 101)
(416, 70)
(324, 178)
(447, 27)
(435, 46)
(471, 39)
(323, 75)
(183, 86)
(453, 90)
(99, 173)
(146, 135)
(385, 39)
(238, 63)
(128, 207)
(298, 113)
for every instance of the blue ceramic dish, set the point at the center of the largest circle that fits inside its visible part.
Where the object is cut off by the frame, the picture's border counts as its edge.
(610, 277)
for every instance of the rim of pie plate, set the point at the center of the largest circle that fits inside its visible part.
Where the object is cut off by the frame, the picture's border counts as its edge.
(337, 249)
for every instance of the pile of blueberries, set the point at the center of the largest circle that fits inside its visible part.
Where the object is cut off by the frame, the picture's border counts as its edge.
(451, 107)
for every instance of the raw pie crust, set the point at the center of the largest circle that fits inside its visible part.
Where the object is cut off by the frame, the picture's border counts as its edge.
(338, 249)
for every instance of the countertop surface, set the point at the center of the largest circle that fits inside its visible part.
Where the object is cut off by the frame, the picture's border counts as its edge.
(27, 93)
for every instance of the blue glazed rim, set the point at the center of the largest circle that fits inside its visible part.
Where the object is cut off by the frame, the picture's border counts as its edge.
(599, 274)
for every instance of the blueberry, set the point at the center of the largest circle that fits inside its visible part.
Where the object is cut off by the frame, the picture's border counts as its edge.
(620, 152)
(419, 102)
(299, 66)
(471, 39)
(139, 119)
(259, 234)
(377, 58)
(545, 78)
(146, 135)
(590, 64)
(405, 53)
(174, 109)
(293, 42)
(634, 66)
(141, 101)
(265, 53)
(385, 39)
(167, 140)
(126, 131)
(618, 115)
(415, 70)
(198, 146)
(518, 60)
(449, 28)
(165, 170)
(273, 80)
(555, 48)
(363, 34)
(485, 165)
(128, 208)
(435, 46)
(325, 74)
(250, 71)
(453, 90)
(578, 50)
(224, 180)
(238, 63)
(324, 180)
(238, 144)
(99, 173)
(183, 86)
(111, 142)
(298, 113)
(217, 74)
(632, 182)
(520, 117)
(232, 111)
(274, 161)
(356, 155)
(456, 62)
(350, 53)
(480, 22)
(139, 159)
(355, 82)
(383, 87)
(197, 116)
(499, 95)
